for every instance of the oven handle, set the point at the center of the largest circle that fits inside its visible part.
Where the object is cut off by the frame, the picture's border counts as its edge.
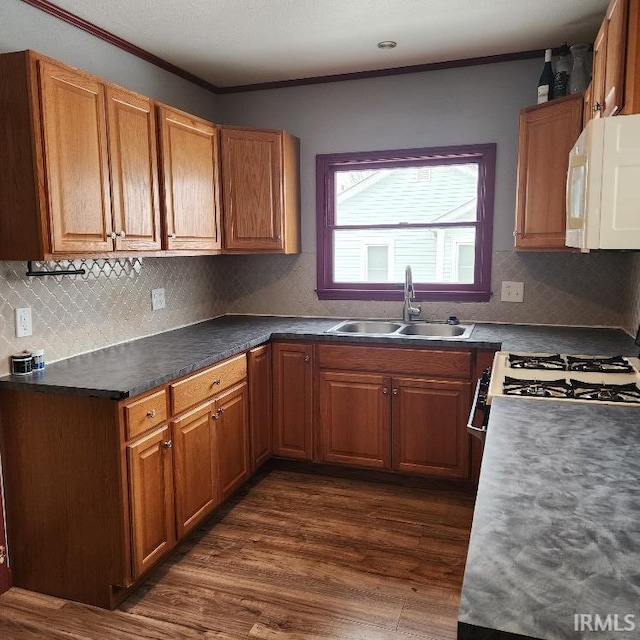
(479, 432)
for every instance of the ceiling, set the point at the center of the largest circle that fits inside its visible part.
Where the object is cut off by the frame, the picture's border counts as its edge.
(241, 42)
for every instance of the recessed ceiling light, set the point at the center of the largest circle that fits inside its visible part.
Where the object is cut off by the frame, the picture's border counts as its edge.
(387, 44)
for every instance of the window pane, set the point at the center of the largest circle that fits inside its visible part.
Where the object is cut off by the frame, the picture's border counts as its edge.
(377, 263)
(434, 255)
(427, 194)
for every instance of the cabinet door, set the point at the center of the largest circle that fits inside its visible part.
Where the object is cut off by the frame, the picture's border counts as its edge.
(196, 482)
(260, 404)
(429, 427)
(134, 170)
(616, 25)
(292, 400)
(599, 71)
(252, 189)
(232, 439)
(151, 494)
(77, 166)
(189, 158)
(547, 134)
(355, 417)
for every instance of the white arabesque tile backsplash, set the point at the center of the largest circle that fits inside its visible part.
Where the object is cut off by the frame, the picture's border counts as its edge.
(111, 303)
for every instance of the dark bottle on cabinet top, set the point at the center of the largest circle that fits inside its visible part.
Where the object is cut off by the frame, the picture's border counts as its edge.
(545, 84)
(561, 76)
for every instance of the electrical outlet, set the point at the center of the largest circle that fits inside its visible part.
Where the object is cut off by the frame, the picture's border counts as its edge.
(157, 299)
(512, 291)
(24, 326)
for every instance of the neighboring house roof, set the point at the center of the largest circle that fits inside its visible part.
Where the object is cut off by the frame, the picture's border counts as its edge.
(443, 194)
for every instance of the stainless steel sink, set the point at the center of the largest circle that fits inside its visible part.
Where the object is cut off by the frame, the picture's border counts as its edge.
(433, 330)
(366, 326)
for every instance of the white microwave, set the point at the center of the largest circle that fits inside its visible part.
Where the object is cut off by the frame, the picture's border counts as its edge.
(603, 185)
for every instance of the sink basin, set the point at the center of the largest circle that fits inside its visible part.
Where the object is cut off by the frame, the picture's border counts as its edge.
(434, 330)
(366, 326)
(428, 329)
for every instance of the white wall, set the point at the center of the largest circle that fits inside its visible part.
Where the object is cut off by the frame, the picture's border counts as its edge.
(24, 27)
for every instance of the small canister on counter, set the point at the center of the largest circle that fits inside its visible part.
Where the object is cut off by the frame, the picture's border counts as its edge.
(21, 363)
(37, 356)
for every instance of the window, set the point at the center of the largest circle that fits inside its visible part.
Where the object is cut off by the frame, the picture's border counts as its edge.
(380, 211)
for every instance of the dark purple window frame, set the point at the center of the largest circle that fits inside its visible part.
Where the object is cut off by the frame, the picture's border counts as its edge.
(484, 155)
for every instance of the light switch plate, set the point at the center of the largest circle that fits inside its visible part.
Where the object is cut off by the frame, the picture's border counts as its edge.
(157, 299)
(512, 291)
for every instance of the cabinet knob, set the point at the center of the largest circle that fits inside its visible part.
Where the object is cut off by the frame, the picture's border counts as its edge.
(395, 392)
(168, 444)
(113, 235)
(215, 415)
(151, 414)
(216, 382)
(516, 234)
(596, 107)
(307, 358)
(221, 410)
(172, 236)
(385, 391)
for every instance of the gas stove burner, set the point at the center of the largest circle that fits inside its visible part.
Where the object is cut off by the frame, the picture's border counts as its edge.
(605, 392)
(556, 361)
(617, 364)
(537, 388)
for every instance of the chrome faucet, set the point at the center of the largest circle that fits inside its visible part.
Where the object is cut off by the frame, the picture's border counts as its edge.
(409, 312)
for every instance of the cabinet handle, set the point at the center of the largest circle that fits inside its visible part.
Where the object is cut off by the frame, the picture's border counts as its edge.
(596, 107)
(168, 444)
(151, 414)
(395, 392)
(307, 358)
(216, 382)
(385, 391)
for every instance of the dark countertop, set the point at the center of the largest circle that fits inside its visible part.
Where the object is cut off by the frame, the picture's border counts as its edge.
(556, 530)
(131, 368)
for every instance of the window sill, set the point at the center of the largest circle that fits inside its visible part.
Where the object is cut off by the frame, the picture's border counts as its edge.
(397, 296)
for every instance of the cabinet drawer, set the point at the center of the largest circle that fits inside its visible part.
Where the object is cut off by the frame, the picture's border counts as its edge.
(145, 413)
(429, 362)
(203, 385)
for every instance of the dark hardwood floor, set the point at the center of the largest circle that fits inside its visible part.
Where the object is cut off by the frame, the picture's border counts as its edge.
(294, 555)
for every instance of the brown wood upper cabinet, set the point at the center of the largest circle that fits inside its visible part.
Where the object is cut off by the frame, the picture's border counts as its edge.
(616, 61)
(260, 191)
(79, 163)
(190, 178)
(547, 134)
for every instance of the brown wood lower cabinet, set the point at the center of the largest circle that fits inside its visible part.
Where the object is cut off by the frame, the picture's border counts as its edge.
(293, 400)
(429, 427)
(389, 421)
(231, 419)
(101, 490)
(260, 403)
(196, 475)
(354, 418)
(151, 489)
